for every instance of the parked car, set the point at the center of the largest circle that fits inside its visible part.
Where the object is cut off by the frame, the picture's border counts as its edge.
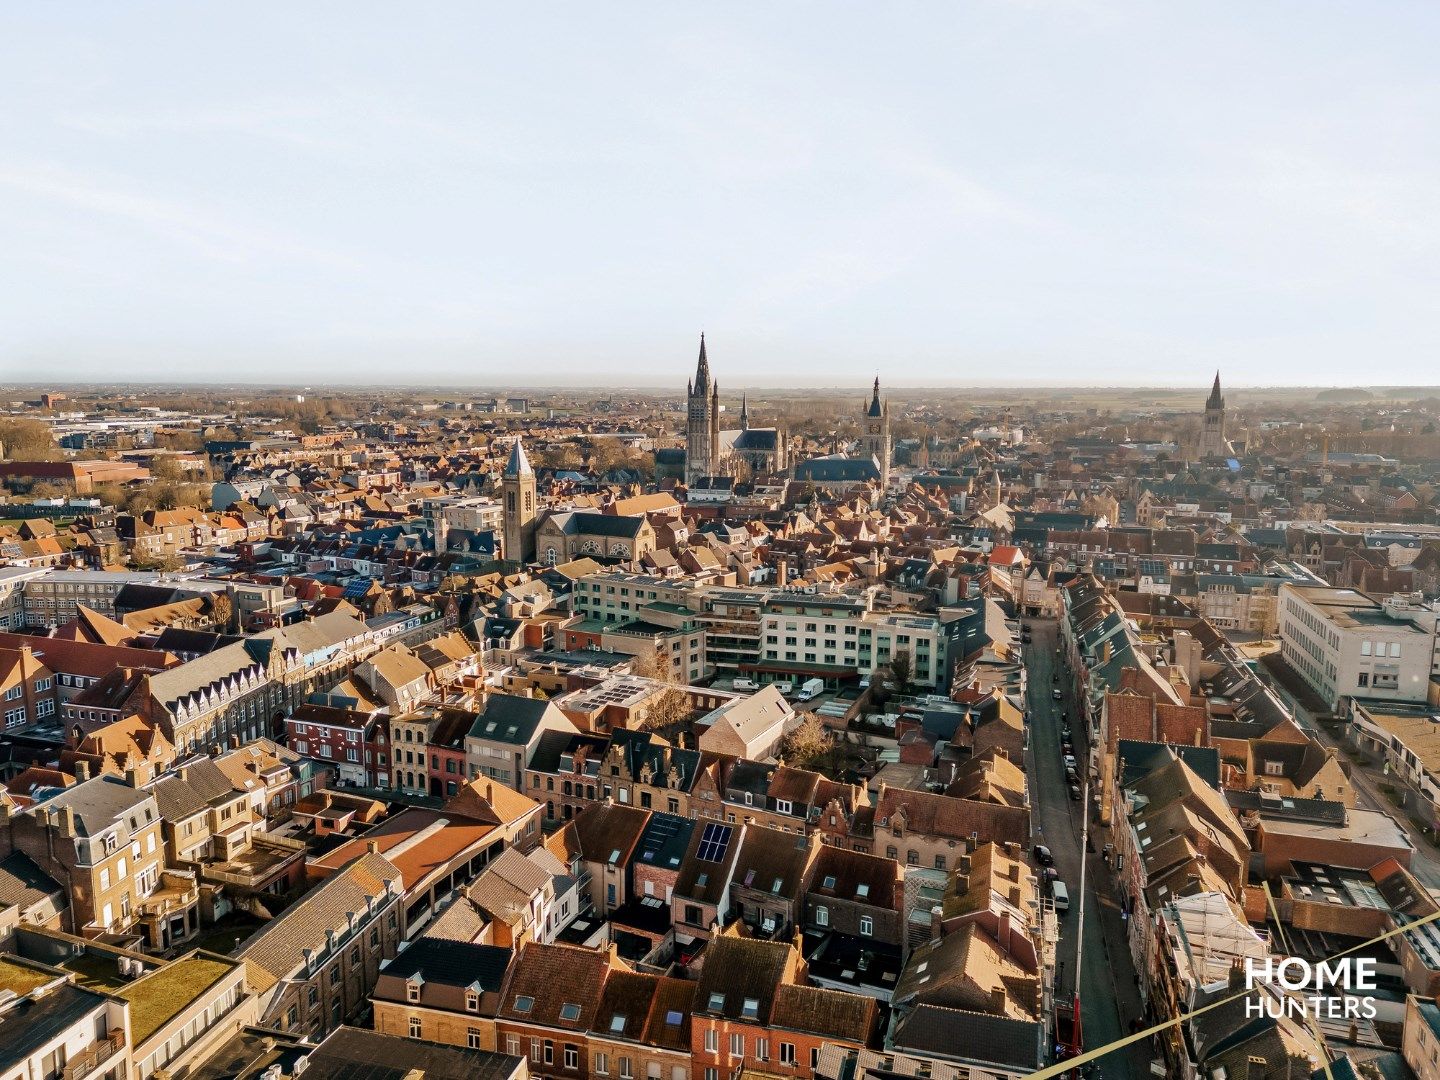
(1061, 896)
(1075, 792)
(1042, 855)
(1057, 695)
(1070, 761)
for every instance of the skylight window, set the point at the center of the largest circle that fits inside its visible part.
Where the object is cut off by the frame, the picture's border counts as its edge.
(862, 890)
(674, 1018)
(524, 1004)
(569, 1011)
(829, 882)
(751, 1008)
(617, 1022)
(717, 1002)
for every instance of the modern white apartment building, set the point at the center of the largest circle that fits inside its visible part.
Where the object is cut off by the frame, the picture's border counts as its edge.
(807, 636)
(1346, 645)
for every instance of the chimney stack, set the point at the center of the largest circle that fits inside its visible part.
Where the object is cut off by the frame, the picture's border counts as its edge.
(82, 770)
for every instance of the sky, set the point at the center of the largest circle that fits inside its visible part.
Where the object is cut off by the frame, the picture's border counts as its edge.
(988, 192)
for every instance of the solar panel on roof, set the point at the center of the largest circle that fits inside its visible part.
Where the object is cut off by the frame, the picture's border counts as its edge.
(713, 842)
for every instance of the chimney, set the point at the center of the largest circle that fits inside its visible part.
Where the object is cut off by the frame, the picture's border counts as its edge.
(82, 770)
(132, 776)
(67, 821)
(372, 846)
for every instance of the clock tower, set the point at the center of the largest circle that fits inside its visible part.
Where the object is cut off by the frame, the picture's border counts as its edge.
(875, 433)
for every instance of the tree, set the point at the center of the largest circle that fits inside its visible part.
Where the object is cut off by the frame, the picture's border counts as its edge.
(28, 440)
(222, 611)
(809, 741)
(901, 668)
(667, 709)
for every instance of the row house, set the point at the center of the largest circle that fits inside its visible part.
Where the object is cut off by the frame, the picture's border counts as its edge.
(357, 742)
(29, 692)
(316, 963)
(753, 1005)
(103, 838)
(1173, 836)
(503, 738)
(429, 750)
(208, 701)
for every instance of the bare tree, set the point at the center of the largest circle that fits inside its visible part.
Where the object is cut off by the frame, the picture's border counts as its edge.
(808, 742)
(667, 709)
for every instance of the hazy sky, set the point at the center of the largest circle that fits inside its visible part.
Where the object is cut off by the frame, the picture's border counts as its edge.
(1063, 192)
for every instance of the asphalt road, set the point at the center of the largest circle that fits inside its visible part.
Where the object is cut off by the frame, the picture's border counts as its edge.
(1107, 981)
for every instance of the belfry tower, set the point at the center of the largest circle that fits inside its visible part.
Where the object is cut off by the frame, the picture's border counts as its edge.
(875, 432)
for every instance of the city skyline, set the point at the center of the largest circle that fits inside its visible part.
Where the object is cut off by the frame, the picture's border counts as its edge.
(990, 194)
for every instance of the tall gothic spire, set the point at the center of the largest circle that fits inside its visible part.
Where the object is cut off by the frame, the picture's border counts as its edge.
(744, 412)
(875, 408)
(1216, 401)
(702, 370)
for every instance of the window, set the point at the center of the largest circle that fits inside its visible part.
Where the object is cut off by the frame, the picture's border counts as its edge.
(524, 1003)
(472, 1039)
(472, 1001)
(737, 1045)
(569, 1011)
(712, 1040)
(867, 925)
(549, 1052)
(572, 1056)
(415, 1027)
(822, 916)
(512, 1045)
(626, 1072)
(600, 1064)
(762, 1049)
(787, 1053)
(534, 1049)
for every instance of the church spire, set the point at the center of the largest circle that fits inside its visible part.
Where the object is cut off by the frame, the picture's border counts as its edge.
(1216, 401)
(875, 407)
(702, 370)
(744, 412)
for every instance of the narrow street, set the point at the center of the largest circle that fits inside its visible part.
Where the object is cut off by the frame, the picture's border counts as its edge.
(1108, 996)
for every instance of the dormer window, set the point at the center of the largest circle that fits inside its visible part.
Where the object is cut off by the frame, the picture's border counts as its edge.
(412, 990)
(472, 1001)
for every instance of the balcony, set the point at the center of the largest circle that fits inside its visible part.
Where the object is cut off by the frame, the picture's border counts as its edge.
(94, 1057)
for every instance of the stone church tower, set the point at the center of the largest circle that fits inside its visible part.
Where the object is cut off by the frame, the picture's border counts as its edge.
(1212, 434)
(702, 422)
(518, 484)
(875, 433)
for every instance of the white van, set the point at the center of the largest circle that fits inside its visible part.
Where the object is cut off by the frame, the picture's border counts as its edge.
(811, 688)
(1061, 895)
(744, 684)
